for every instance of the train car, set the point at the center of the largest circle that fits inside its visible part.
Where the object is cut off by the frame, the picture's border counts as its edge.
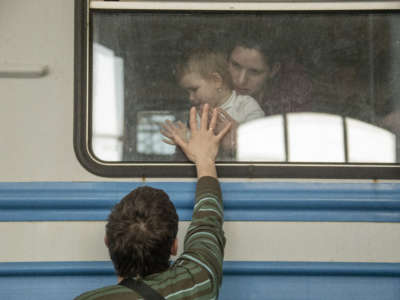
(311, 190)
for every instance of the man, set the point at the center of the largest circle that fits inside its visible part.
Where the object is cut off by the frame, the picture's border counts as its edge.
(141, 231)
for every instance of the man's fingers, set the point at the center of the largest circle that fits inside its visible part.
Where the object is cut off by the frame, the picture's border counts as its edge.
(204, 117)
(193, 119)
(224, 131)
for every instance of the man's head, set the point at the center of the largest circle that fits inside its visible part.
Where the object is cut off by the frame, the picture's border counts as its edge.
(141, 232)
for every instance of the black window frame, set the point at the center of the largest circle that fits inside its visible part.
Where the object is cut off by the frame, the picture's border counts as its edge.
(82, 128)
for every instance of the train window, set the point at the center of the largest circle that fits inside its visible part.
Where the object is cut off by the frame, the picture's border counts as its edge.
(312, 87)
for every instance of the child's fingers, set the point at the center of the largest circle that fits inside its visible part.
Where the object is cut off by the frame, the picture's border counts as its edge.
(170, 124)
(182, 128)
(163, 127)
(180, 142)
(180, 125)
(169, 142)
(170, 127)
(167, 125)
(224, 131)
(223, 116)
(173, 135)
(165, 133)
(213, 121)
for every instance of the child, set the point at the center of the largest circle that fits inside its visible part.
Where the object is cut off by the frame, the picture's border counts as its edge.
(204, 74)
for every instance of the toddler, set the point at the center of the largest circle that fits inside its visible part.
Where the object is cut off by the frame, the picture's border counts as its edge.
(204, 74)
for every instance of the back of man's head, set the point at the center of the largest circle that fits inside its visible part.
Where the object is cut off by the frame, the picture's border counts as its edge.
(140, 232)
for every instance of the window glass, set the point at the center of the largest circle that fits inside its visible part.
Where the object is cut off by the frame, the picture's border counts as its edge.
(301, 87)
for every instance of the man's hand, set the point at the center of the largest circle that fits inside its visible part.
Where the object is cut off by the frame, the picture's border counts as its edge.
(202, 147)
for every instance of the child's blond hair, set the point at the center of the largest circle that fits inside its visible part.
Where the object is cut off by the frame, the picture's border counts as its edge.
(205, 61)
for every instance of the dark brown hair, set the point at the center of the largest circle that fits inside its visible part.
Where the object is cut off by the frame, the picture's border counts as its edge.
(262, 39)
(140, 232)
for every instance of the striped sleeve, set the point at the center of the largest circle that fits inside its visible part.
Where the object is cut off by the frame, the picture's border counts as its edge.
(205, 241)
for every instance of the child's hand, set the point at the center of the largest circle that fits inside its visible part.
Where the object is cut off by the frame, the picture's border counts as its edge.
(202, 147)
(169, 129)
(223, 118)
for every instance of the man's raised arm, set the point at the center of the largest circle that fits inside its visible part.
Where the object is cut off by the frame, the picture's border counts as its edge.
(204, 242)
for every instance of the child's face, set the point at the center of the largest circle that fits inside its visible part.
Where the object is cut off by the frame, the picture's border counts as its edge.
(200, 89)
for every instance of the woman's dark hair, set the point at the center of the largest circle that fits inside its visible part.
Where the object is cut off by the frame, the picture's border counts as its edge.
(140, 232)
(261, 38)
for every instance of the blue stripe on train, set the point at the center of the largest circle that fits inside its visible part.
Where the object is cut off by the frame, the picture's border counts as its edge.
(243, 201)
(242, 280)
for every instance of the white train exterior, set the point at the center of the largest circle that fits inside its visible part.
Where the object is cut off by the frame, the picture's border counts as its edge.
(52, 210)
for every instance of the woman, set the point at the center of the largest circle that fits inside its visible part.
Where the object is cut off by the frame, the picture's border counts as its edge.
(259, 69)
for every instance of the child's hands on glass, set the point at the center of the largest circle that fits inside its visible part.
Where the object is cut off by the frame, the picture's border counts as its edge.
(223, 118)
(202, 146)
(169, 129)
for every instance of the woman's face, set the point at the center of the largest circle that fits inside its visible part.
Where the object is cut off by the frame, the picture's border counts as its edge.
(249, 71)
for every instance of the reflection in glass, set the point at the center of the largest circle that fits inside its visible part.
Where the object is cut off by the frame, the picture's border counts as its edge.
(368, 143)
(314, 137)
(108, 104)
(262, 140)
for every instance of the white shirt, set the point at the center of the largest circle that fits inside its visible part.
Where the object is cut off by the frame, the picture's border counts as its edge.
(242, 108)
